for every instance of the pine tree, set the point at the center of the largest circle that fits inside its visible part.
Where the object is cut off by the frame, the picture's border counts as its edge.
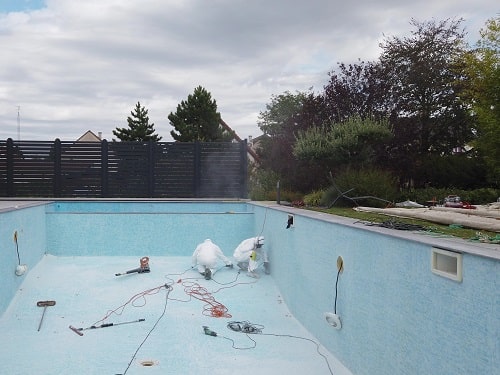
(139, 128)
(197, 119)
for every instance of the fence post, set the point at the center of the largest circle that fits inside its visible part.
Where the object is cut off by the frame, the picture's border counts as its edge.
(104, 169)
(197, 169)
(151, 169)
(10, 167)
(244, 169)
(57, 168)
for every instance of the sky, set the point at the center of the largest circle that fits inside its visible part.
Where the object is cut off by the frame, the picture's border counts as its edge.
(69, 66)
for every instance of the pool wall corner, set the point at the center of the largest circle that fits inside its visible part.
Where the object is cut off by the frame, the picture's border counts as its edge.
(30, 226)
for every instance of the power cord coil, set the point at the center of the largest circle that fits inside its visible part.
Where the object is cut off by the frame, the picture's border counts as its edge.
(245, 327)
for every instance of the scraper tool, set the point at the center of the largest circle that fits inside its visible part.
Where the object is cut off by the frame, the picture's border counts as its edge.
(44, 304)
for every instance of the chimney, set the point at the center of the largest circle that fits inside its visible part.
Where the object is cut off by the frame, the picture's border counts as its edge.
(250, 141)
(99, 134)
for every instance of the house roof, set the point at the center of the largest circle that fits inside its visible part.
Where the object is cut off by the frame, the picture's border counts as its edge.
(89, 136)
(250, 150)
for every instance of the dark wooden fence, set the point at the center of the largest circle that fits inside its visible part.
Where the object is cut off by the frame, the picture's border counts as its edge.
(104, 169)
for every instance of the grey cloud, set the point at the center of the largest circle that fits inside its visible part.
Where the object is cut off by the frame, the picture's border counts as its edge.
(78, 66)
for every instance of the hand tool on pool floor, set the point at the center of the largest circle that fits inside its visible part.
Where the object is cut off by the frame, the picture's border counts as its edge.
(78, 331)
(44, 304)
(143, 268)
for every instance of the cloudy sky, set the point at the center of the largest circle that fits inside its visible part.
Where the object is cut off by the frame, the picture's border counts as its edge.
(68, 66)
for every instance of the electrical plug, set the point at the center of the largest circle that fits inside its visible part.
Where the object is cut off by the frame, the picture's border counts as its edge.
(208, 331)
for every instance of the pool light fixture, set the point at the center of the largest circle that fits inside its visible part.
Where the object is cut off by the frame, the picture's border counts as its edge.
(333, 320)
(331, 317)
(20, 268)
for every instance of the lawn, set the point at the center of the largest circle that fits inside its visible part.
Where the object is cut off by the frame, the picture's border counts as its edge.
(430, 227)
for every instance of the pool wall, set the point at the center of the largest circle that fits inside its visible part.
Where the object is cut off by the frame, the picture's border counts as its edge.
(398, 317)
(141, 228)
(29, 222)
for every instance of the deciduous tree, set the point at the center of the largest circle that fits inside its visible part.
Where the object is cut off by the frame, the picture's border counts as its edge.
(425, 75)
(483, 67)
(357, 90)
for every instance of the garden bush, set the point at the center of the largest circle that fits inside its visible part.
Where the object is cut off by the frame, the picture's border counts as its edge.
(314, 199)
(477, 196)
(378, 186)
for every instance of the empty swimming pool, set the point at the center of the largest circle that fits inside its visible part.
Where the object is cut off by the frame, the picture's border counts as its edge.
(397, 315)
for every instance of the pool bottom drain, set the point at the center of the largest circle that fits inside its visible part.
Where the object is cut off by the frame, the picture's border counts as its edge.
(148, 363)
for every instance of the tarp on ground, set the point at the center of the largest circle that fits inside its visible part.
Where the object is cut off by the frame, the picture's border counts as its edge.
(447, 217)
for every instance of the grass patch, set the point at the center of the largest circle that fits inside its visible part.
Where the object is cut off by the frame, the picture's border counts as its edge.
(430, 227)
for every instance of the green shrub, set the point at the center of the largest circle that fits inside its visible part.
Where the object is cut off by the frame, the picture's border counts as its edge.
(263, 186)
(423, 196)
(290, 196)
(378, 188)
(477, 196)
(481, 196)
(314, 199)
(456, 171)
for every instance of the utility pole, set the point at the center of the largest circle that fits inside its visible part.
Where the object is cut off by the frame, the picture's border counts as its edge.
(18, 123)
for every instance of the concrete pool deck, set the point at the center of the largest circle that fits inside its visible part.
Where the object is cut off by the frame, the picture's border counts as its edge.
(170, 340)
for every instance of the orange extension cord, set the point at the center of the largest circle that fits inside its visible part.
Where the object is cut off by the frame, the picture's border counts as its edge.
(212, 307)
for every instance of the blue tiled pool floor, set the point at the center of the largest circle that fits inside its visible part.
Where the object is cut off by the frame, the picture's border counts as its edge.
(170, 340)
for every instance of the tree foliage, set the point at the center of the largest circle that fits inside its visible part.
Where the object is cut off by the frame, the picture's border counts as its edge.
(285, 117)
(356, 141)
(197, 119)
(356, 90)
(483, 67)
(436, 97)
(426, 75)
(139, 128)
